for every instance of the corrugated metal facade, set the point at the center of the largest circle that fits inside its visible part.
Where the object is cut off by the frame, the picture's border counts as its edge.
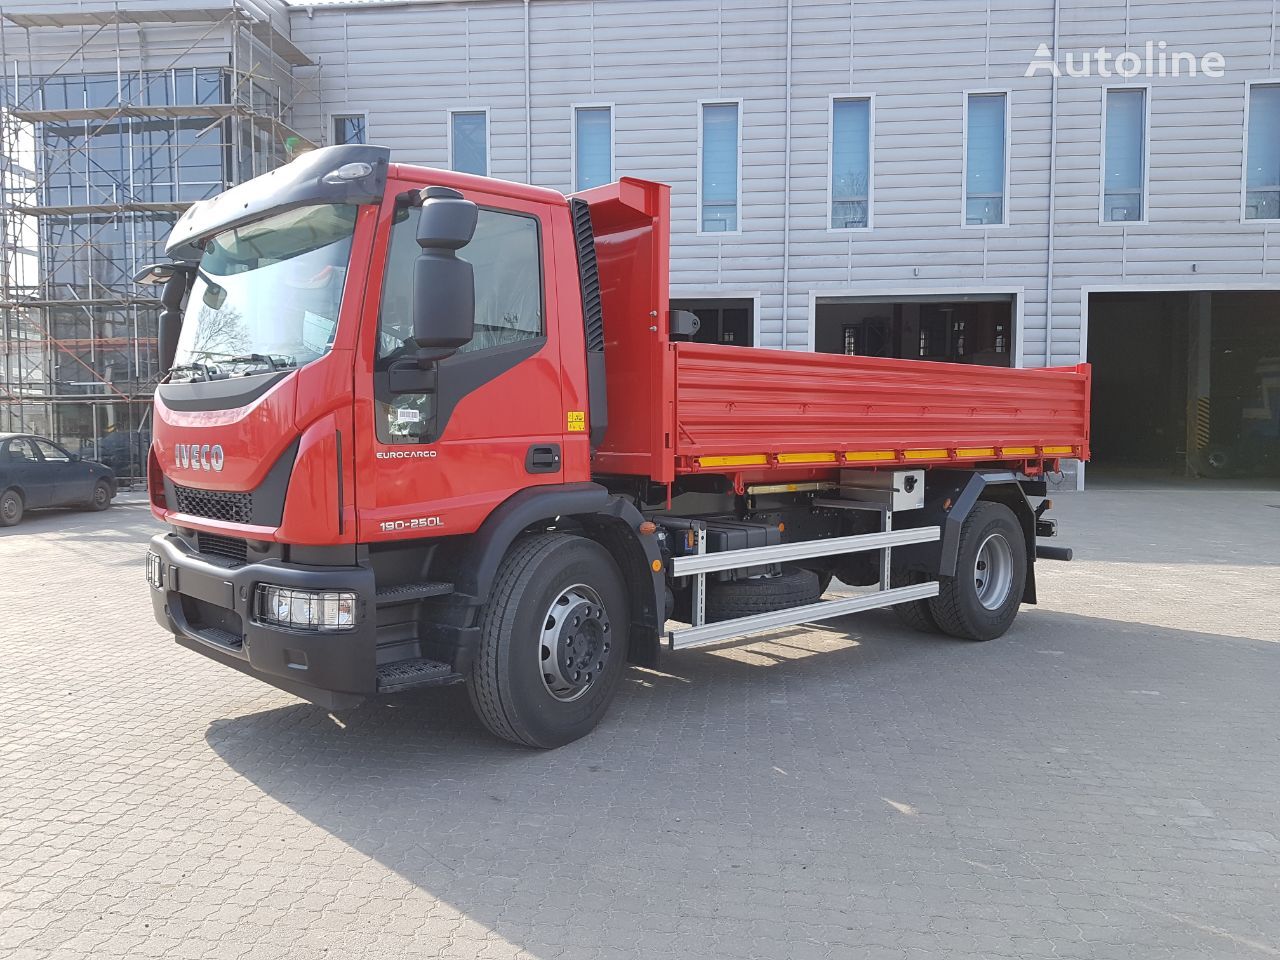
(407, 64)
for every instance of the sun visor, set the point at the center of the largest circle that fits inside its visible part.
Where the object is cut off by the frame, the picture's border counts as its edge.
(349, 173)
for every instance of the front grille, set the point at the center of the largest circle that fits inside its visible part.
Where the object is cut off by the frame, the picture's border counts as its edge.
(228, 548)
(215, 504)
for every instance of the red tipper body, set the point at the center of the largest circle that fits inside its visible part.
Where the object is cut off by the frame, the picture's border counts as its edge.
(677, 408)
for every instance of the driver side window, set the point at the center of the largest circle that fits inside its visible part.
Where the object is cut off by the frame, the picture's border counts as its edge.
(506, 257)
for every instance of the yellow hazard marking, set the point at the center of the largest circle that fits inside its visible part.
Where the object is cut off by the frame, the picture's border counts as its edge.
(743, 460)
(806, 458)
(1018, 451)
(925, 454)
(976, 452)
(1058, 449)
(870, 455)
(577, 421)
(1203, 418)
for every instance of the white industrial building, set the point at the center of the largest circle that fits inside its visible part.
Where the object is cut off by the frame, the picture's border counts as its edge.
(1021, 182)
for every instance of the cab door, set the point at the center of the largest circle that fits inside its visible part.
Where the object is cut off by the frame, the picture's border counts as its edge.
(72, 481)
(438, 461)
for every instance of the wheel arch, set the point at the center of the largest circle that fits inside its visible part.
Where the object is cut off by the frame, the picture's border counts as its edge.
(609, 520)
(950, 496)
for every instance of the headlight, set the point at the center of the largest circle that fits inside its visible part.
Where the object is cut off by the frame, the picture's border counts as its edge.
(305, 609)
(155, 571)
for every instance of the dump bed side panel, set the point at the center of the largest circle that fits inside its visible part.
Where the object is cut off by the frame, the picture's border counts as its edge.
(630, 220)
(748, 407)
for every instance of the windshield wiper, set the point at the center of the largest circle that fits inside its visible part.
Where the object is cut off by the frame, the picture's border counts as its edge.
(205, 371)
(266, 360)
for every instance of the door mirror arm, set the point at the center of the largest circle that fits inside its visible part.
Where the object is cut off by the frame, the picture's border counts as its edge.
(409, 375)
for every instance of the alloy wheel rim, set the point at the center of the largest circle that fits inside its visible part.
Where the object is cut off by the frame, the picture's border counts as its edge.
(993, 571)
(575, 642)
(100, 495)
(9, 508)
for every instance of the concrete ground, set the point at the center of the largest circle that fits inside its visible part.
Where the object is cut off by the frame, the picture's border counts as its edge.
(1102, 782)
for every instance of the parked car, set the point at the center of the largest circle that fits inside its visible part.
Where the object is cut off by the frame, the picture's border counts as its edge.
(35, 472)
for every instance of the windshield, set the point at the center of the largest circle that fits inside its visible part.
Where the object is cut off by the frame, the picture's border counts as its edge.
(266, 296)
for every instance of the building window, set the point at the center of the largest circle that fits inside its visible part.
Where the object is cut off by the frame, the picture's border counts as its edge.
(850, 164)
(1124, 168)
(718, 176)
(1262, 184)
(728, 321)
(986, 149)
(592, 147)
(349, 128)
(469, 142)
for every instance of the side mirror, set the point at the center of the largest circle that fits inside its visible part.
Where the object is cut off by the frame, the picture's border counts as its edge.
(173, 277)
(444, 295)
(170, 323)
(75, 457)
(155, 274)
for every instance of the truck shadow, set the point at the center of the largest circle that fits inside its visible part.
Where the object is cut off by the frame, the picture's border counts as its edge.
(740, 794)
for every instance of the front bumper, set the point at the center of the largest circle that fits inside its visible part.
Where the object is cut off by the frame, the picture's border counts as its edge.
(209, 608)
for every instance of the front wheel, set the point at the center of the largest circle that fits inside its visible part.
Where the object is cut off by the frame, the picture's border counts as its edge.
(553, 641)
(981, 600)
(101, 498)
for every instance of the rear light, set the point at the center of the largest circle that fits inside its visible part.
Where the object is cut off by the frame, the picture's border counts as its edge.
(155, 571)
(304, 609)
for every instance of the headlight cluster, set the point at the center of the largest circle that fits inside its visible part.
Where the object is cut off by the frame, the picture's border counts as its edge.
(155, 571)
(305, 609)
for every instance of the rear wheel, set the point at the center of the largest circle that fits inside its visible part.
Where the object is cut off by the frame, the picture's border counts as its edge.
(982, 599)
(10, 508)
(101, 496)
(915, 614)
(553, 641)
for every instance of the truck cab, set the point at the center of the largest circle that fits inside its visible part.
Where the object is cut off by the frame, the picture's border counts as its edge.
(421, 427)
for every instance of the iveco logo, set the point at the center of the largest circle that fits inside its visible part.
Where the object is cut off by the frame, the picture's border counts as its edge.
(194, 456)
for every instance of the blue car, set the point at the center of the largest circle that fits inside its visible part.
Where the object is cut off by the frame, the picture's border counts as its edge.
(35, 472)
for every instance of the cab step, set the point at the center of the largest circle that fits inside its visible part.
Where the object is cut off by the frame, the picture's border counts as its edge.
(414, 673)
(412, 592)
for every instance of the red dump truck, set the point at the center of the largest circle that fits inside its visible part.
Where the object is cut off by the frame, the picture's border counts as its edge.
(421, 427)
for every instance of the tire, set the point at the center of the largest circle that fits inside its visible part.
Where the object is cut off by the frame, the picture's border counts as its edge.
(918, 615)
(1216, 463)
(982, 599)
(11, 508)
(794, 587)
(101, 498)
(566, 592)
(915, 614)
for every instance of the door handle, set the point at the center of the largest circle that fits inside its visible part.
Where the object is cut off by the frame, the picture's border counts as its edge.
(543, 458)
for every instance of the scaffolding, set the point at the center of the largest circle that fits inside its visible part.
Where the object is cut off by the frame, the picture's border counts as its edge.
(112, 122)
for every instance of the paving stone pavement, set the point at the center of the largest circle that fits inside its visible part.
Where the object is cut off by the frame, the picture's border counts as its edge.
(1104, 782)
